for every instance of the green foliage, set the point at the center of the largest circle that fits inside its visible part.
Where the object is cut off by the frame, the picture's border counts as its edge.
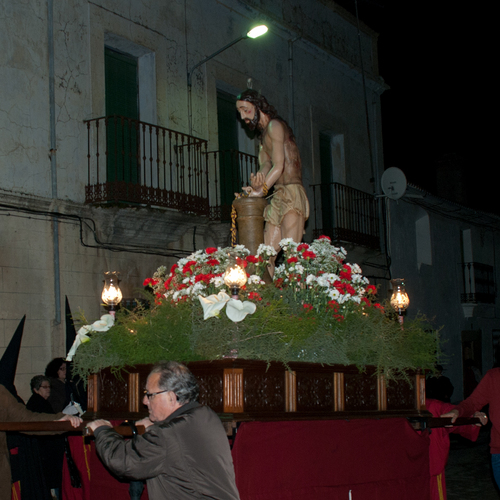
(279, 330)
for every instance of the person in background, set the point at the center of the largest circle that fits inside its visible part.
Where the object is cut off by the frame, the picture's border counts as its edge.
(12, 410)
(439, 447)
(437, 386)
(51, 447)
(487, 392)
(56, 372)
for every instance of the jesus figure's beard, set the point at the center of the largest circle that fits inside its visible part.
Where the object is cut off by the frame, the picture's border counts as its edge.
(254, 122)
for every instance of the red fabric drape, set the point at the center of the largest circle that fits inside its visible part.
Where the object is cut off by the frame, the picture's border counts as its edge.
(315, 460)
(310, 460)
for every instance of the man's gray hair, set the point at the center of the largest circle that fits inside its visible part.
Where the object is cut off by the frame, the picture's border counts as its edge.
(37, 381)
(177, 378)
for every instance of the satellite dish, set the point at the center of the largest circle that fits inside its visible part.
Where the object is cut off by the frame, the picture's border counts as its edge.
(393, 183)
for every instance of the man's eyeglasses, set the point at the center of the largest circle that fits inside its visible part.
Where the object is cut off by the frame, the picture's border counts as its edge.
(151, 395)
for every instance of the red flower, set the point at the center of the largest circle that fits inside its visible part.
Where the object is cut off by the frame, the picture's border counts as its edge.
(324, 237)
(204, 277)
(210, 250)
(241, 262)
(150, 282)
(278, 283)
(302, 246)
(252, 259)
(189, 267)
(213, 262)
(307, 307)
(309, 255)
(173, 268)
(291, 260)
(346, 273)
(371, 289)
(254, 296)
(333, 304)
(379, 307)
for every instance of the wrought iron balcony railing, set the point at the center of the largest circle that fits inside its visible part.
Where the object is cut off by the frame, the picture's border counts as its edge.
(345, 215)
(230, 170)
(134, 162)
(478, 283)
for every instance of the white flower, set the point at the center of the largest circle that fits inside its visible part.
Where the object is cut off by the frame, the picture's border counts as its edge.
(285, 242)
(217, 281)
(213, 304)
(255, 280)
(266, 250)
(311, 279)
(101, 325)
(299, 268)
(236, 310)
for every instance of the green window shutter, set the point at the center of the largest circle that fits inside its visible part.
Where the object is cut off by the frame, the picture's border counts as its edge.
(122, 94)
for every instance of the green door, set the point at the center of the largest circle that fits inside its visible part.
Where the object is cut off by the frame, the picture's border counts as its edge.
(122, 108)
(326, 165)
(229, 165)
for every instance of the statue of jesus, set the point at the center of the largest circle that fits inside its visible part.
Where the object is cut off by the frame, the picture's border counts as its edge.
(280, 166)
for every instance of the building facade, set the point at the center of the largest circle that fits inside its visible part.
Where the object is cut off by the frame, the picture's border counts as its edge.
(120, 153)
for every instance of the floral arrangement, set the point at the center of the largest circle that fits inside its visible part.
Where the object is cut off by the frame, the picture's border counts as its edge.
(318, 309)
(314, 275)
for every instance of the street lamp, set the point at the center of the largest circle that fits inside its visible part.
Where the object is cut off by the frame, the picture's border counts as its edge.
(253, 33)
(399, 299)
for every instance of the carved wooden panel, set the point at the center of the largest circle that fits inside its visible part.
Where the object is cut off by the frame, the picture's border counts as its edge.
(211, 390)
(233, 390)
(113, 392)
(315, 391)
(264, 391)
(360, 392)
(400, 396)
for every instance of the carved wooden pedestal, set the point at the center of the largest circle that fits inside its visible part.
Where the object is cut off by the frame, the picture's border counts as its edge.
(245, 390)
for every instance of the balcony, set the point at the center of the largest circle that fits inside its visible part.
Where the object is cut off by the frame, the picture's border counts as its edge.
(136, 163)
(345, 214)
(478, 283)
(230, 171)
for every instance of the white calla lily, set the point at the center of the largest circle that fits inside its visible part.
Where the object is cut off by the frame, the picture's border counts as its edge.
(101, 325)
(213, 304)
(236, 310)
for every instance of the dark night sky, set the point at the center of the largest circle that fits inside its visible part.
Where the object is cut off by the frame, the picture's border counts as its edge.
(433, 56)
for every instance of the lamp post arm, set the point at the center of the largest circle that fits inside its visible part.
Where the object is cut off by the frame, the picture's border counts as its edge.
(230, 44)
